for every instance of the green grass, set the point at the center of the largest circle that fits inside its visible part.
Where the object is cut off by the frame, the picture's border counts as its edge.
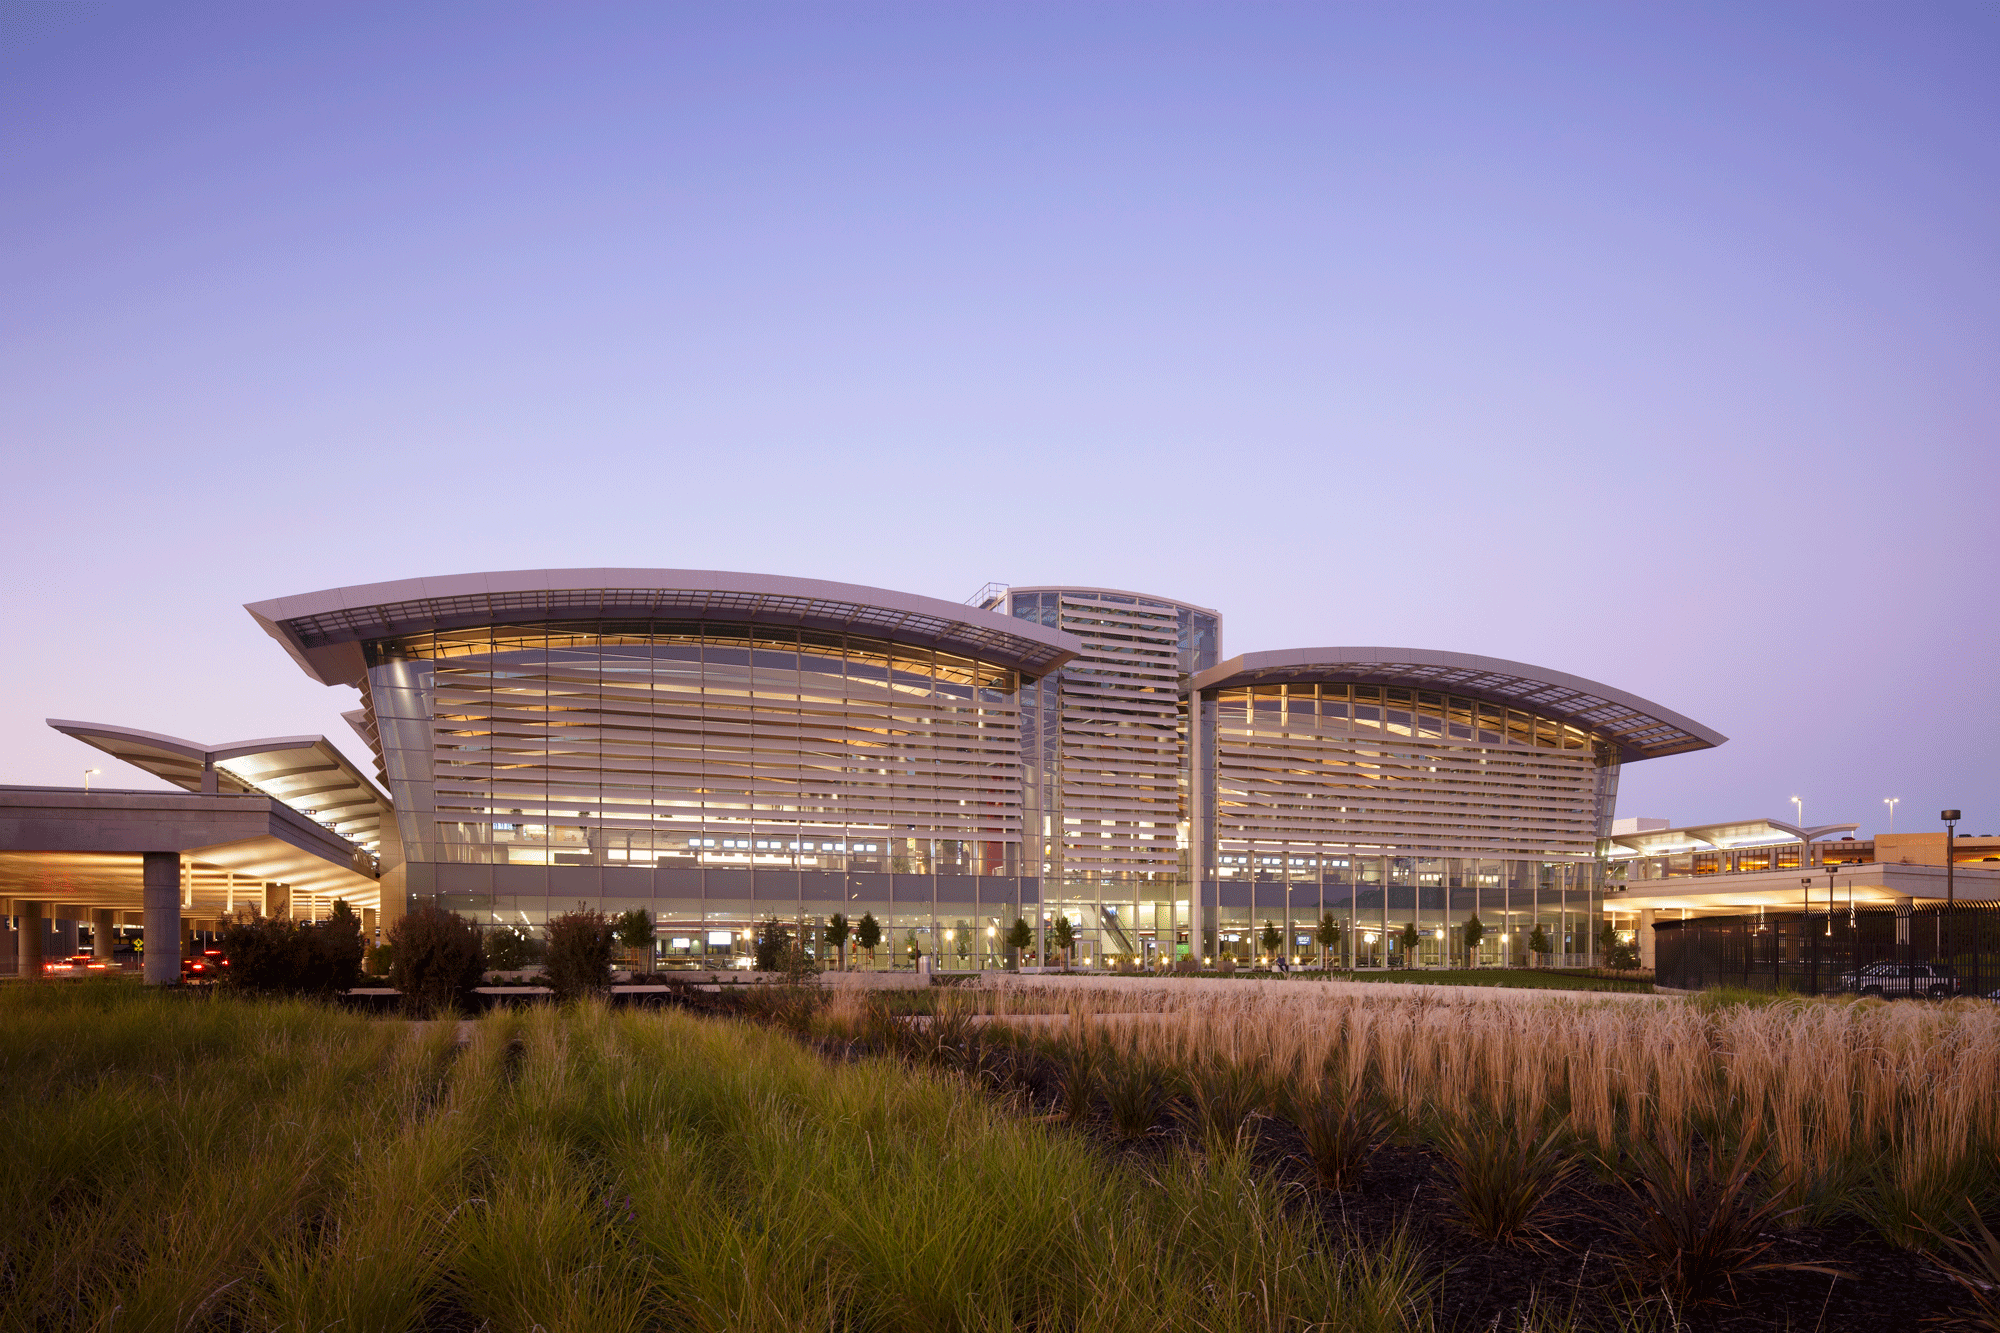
(215, 1163)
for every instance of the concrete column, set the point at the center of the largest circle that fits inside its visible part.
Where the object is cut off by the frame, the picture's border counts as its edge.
(100, 932)
(28, 943)
(1645, 937)
(163, 918)
(277, 900)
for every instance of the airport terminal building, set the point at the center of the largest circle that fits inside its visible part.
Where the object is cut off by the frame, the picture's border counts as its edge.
(724, 748)
(720, 749)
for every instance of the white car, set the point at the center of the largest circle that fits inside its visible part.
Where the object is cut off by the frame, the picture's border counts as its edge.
(1887, 980)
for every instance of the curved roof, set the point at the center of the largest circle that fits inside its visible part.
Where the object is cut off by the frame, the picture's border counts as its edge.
(305, 773)
(1734, 833)
(1640, 728)
(323, 631)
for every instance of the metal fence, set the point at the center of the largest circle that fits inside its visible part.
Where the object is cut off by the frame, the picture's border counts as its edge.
(1827, 953)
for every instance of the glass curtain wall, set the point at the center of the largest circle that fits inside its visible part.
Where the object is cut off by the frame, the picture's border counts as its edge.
(718, 777)
(1321, 790)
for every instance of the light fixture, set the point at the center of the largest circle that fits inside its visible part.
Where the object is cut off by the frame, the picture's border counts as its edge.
(88, 773)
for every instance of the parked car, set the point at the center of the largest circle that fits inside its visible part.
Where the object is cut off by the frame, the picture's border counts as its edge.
(204, 966)
(77, 963)
(1889, 980)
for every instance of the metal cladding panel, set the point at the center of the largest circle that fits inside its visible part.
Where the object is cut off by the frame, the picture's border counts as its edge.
(959, 888)
(624, 882)
(822, 886)
(777, 886)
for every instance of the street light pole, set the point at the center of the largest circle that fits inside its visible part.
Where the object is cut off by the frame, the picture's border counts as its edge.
(1890, 801)
(1800, 806)
(1950, 818)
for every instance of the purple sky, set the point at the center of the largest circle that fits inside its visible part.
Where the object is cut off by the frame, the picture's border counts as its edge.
(1654, 344)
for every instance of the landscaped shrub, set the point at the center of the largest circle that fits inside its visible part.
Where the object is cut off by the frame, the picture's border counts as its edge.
(1339, 1132)
(1222, 1096)
(1135, 1093)
(275, 955)
(1078, 1062)
(579, 956)
(1698, 1226)
(436, 960)
(1502, 1173)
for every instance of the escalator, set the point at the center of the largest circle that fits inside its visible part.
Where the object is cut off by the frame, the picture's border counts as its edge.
(1108, 917)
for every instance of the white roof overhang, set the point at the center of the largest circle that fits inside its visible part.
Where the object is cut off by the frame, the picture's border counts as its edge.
(306, 773)
(324, 631)
(1639, 728)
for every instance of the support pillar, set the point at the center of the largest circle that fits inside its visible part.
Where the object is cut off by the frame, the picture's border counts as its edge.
(163, 918)
(1646, 952)
(28, 938)
(101, 939)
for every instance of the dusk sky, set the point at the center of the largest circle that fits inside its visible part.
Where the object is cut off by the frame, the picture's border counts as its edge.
(1654, 344)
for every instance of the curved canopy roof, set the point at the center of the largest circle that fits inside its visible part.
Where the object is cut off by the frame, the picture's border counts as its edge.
(1639, 728)
(1735, 833)
(305, 773)
(323, 631)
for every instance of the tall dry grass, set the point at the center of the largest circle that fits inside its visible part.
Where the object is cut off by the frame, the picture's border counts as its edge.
(1888, 1110)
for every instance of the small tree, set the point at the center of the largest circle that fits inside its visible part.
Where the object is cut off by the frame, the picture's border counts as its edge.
(1062, 935)
(1270, 937)
(911, 947)
(837, 931)
(506, 949)
(1410, 939)
(868, 934)
(1617, 953)
(1538, 943)
(773, 943)
(634, 931)
(1327, 934)
(579, 959)
(434, 959)
(1475, 931)
(1019, 936)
